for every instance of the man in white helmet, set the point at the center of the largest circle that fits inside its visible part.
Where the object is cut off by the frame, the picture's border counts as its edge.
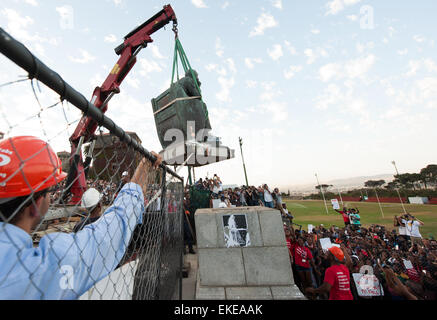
(91, 202)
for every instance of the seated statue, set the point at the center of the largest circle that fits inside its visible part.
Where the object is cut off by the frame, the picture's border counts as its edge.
(189, 86)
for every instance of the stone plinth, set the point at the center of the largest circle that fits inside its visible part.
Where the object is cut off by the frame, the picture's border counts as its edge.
(243, 255)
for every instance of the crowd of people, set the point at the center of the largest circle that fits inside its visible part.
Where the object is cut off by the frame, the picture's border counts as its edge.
(245, 196)
(402, 263)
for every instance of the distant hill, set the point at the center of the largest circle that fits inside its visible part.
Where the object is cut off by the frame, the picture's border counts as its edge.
(348, 183)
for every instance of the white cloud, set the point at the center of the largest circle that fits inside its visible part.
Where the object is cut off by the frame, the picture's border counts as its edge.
(419, 38)
(291, 71)
(313, 55)
(135, 83)
(19, 27)
(214, 67)
(290, 48)
(393, 113)
(315, 31)
(250, 62)
(277, 4)
(361, 47)
(415, 65)
(352, 17)
(110, 38)
(335, 6)
(155, 52)
(265, 21)
(148, 66)
(275, 53)
(331, 96)
(225, 92)
(199, 3)
(330, 71)
(251, 84)
(359, 67)
(85, 57)
(32, 2)
(351, 69)
(219, 49)
(231, 65)
(403, 52)
(225, 5)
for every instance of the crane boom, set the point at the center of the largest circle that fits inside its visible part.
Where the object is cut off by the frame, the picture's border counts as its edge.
(136, 40)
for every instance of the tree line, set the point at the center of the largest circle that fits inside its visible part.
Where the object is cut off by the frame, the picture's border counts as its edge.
(422, 184)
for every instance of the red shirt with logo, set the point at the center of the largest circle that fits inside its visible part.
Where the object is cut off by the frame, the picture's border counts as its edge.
(301, 255)
(339, 278)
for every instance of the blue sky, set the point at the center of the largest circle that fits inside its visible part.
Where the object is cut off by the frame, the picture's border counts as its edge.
(337, 87)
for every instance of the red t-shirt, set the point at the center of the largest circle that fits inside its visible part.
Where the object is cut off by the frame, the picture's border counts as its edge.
(289, 245)
(301, 255)
(413, 275)
(339, 279)
(345, 216)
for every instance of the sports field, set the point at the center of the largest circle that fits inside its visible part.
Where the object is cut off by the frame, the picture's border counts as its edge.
(314, 212)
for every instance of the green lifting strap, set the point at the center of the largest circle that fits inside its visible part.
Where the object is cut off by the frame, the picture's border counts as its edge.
(179, 51)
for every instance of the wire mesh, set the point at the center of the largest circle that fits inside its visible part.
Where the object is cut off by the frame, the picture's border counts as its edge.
(127, 244)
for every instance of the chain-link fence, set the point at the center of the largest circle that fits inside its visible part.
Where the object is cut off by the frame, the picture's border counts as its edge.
(123, 239)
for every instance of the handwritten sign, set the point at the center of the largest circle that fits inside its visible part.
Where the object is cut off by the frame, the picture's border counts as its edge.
(367, 285)
(335, 204)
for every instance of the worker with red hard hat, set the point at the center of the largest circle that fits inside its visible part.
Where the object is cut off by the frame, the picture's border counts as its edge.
(337, 276)
(62, 266)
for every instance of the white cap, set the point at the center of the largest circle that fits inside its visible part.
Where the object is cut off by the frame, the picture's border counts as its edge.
(125, 174)
(91, 198)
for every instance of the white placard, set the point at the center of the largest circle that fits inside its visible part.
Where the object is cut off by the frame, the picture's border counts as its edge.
(310, 228)
(408, 264)
(335, 204)
(325, 243)
(367, 285)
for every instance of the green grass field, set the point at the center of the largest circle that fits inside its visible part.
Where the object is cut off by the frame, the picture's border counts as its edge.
(314, 212)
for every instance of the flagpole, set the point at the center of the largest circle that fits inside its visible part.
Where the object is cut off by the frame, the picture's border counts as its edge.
(397, 189)
(323, 194)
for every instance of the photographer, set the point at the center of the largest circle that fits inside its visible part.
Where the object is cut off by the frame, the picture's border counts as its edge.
(268, 199)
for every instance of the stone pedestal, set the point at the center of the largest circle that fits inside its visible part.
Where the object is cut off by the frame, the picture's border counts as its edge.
(243, 255)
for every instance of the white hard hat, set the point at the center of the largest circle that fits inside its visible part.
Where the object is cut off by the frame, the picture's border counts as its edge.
(125, 174)
(91, 198)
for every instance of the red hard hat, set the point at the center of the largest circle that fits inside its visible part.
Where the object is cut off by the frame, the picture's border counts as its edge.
(27, 164)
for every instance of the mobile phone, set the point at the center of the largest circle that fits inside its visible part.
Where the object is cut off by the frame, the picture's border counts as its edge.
(397, 247)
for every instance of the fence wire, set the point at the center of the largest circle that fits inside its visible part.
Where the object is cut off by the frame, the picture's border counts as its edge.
(127, 244)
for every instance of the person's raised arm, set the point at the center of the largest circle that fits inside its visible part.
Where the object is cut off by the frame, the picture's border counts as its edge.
(348, 259)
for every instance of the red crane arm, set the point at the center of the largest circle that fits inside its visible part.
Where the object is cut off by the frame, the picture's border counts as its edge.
(128, 50)
(133, 43)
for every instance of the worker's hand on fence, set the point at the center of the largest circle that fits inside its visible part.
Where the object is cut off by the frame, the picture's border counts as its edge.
(158, 160)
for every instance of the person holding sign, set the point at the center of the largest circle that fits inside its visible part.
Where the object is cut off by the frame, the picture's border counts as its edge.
(303, 259)
(345, 215)
(337, 276)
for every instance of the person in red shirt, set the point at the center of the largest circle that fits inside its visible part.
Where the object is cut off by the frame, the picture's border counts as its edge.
(337, 277)
(345, 215)
(303, 260)
(288, 240)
